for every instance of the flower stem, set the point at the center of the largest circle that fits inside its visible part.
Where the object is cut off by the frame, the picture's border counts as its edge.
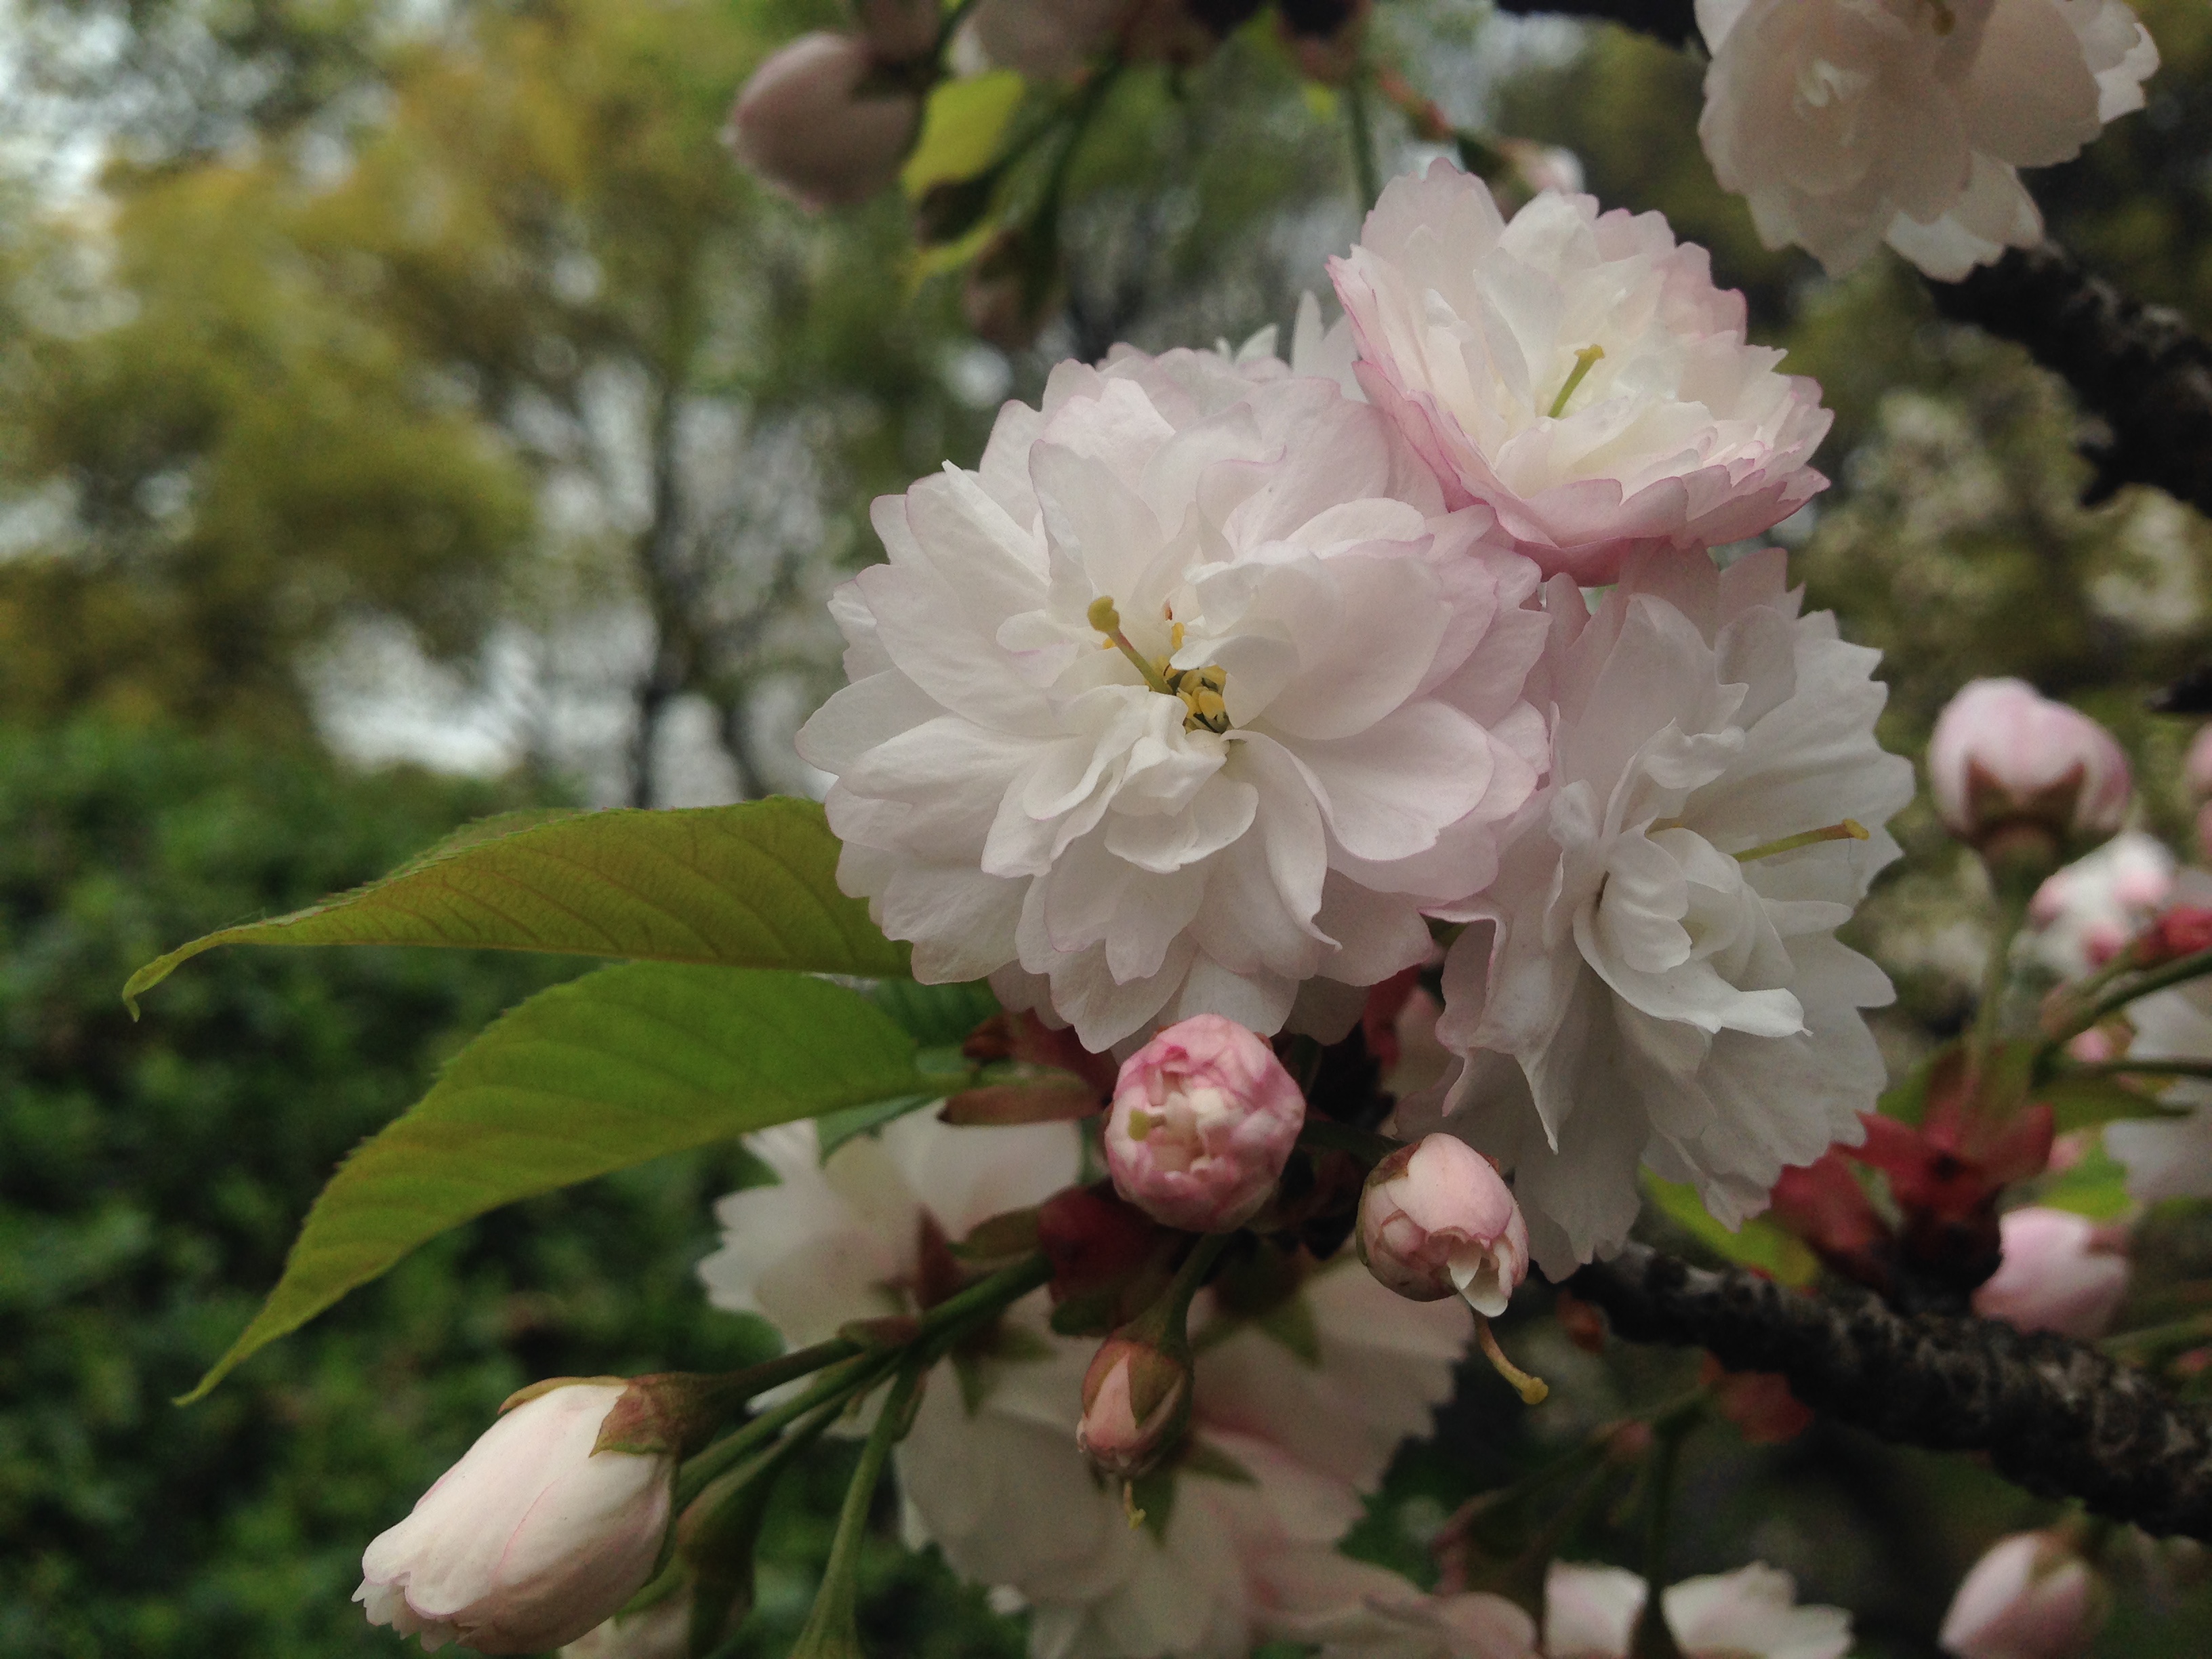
(1326, 1135)
(2180, 970)
(1655, 1638)
(2142, 1067)
(1362, 125)
(831, 1628)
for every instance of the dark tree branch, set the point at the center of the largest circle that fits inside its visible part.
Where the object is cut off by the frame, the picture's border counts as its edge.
(2139, 367)
(2053, 1414)
(1674, 22)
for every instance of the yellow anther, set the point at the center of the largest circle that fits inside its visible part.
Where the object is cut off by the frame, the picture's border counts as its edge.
(1141, 1125)
(1175, 637)
(1584, 360)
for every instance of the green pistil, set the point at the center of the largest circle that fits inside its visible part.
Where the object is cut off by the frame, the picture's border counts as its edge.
(1848, 829)
(1584, 360)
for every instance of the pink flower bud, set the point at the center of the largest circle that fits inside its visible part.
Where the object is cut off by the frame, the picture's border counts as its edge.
(2060, 1272)
(2030, 1597)
(1204, 1119)
(1136, 1405)
(1437, 1219)
(2002, 755)
(531, 1539)
(803, 123)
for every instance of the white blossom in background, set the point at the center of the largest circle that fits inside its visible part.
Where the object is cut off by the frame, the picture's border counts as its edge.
(1574, 371)
(1311, 726)
(1589, 1613)
(1845, 123)
(2085, 912)
(991, 1474)
(1632, 991)
(2171, 1157)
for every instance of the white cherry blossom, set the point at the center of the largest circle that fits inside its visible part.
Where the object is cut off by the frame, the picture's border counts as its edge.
(2170, 1158)
(1589, 1613)
(1845, 123)
(1191, 693)
(1574, 371)
(1654, 979)
(990, 1471)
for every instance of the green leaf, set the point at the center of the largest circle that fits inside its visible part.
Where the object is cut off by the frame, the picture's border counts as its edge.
(2079, 1102)
(610, 1070)
(1760, 1242)
(833, 1129)
(961, 127)
(753, 885)
(2094, 1185)
(936, 1016)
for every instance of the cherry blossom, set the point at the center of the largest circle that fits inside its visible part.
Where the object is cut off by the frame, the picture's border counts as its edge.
(2085, 912)
(1846, 124)
(806, 122)
(1589, 1613)
(1192, 693)
(1654, 978)
(1574, 371)
(1204, 1118)
(2061, 1272)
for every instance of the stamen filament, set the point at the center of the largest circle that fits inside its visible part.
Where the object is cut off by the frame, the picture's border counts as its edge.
(1532, 1390)
(1584, 360)
(1103, 617)
(1848, 829)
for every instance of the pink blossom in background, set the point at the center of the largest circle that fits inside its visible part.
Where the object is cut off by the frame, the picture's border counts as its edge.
(1845, 123)
(2061, 1272)
(1676, 432)
(2002, 753)
(803, 125)
(2030, 1597)
(1204, 1119)
(2085, 914)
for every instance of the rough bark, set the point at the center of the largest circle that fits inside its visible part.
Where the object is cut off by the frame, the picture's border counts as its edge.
(2053, 1414)
(2139, 368)
(1674, 22)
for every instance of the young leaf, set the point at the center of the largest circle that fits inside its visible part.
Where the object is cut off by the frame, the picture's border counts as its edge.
(1757, 1243)
(961, 127)
(610, 1070)
(753, 885)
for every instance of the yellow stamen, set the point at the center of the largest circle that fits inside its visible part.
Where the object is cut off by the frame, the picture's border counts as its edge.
(1103, 617)
(1129, 1505)
(1848, 829)
(1532, 1390)
(1175, 637)
(1584, 360)
(1141, 1124)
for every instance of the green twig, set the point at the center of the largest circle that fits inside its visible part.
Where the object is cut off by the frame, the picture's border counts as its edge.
(1363, 143)
(2173, 973)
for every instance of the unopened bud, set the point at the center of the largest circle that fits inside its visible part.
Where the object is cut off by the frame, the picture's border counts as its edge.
(807, 122)
(2181, 932)
(2060, 1272)
(533, 1538)
(1437, 1219)
(1136, 1406)
(2030, 1597)
(1204, 1119)
(2008, 767)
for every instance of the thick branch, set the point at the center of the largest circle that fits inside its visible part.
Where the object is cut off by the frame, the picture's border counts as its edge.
(2139, 367)
(1674, 22)
(2053, 1414)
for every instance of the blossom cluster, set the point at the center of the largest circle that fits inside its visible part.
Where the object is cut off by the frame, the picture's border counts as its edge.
(1224, 685)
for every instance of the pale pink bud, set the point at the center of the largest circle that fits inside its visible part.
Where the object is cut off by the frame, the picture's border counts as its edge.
(1204, 1119)
(1437, 1218)
(803, 123)
(2196, 769)
(531, 1540)
(2004, 754)
(2061, 1272)
(1136, 1405)
(2030, 1597)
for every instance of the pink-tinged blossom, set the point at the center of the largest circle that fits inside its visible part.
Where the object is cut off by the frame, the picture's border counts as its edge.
(1845, 123)
(1204, 1119)
(2031, 1596)
(1193, 692)
(532, 1540)
(2061, 1272)
(804, 125)
(1654, 978)
(2085, 914)
(991, 1472)
(2003, 755)
(1574, 371)
(1437, 1219)
(662, 1630)
(1590, 1613)
(1136, 1405)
